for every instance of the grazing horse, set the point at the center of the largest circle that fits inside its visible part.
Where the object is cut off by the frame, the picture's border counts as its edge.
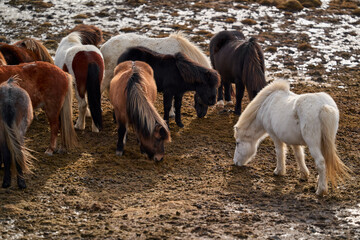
(16, 114)
(27, 50)
(49, 88)
(238, 61)
(175, 43)
(77, 54)
(132, 93)
(175, 75)
(308, 119)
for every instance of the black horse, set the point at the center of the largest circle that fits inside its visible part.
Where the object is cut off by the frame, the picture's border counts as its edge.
(175, 75)
(238, 61)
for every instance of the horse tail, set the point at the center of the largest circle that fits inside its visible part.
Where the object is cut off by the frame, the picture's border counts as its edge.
(191, 50)
(68, 134)
(335, 168)
(38, 48)
(93, 94)
(253, 73)
(2, 60)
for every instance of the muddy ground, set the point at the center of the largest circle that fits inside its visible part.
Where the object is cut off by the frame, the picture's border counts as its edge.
(196, 192)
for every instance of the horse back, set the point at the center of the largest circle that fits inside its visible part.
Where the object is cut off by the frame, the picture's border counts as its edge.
(43, 81)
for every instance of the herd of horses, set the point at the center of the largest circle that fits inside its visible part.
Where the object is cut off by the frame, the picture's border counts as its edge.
(133, 69)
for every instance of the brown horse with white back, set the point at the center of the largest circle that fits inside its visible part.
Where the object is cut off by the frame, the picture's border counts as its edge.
(132, 93)
(49, 88)
(27, 50)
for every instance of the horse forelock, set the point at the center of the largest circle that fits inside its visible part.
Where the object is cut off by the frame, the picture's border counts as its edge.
(249, 114)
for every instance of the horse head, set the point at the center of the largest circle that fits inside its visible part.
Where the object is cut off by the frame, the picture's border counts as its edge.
(153, 146)
(204, 80)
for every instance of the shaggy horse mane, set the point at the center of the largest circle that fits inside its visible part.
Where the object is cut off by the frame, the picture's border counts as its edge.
(250, 112)
(141, 112)
(2, 60)
(37, 47)
(191, 49)
(193, 72)
(90, 35)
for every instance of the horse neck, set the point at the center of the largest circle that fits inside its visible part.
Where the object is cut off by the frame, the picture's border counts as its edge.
(252, 132)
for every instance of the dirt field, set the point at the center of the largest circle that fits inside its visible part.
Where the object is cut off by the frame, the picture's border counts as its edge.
(196, 192)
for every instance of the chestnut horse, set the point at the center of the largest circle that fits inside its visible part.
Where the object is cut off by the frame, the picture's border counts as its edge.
(27, 50)
(175, 75)
(132, 93)
(16, 114)
(78, 55)
(238, 61)
(49, 88)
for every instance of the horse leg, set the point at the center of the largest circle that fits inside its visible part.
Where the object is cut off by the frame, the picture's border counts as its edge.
(80, 123)
(54, 130)
(220, 101)
(280, 149)
(178, 102)
(20, 178)
(172, 110)
(322, 187)
(167, 99)
(121, 139)
(7, 167)
(227, 91)
(300, 159)
(240, 88)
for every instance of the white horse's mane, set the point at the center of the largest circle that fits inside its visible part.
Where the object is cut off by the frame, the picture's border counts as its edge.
(74, 37)
(191, 49)
(250, 112)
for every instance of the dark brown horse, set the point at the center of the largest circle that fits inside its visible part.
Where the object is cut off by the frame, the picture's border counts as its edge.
(49, 88)
(238, 61)
(16, 114)
(132, 93)
(27, 50)
(175, 75)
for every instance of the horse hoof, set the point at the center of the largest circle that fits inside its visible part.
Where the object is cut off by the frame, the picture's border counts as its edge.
(321, 192)
(220, 104)
(21, 184)
(49, 152)
(95, 130)
(119, 153)
(278, 172)
(180, 124)
(6, 184)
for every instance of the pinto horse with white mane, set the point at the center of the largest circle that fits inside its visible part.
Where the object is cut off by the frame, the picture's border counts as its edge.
(175, 75)
(27, 50)
(308, 119)
(77, 54)
(16, 114)
(49, 88)
(133, 93)
(176, 42)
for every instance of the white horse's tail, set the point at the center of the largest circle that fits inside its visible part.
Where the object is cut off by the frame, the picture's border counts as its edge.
(335, 168)
(191, 50)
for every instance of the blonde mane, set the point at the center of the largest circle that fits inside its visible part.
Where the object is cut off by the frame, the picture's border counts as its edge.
(74, 37)
(191, 49)
(250, 112)
(38, 48)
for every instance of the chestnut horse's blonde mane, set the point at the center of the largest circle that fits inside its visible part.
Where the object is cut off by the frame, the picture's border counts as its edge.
(141, 111)
(38, 48)
(250, 112)
(2, 60)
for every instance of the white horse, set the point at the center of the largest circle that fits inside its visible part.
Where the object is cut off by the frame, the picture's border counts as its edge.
(176, 42)
(77, 54)
(288, 118)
